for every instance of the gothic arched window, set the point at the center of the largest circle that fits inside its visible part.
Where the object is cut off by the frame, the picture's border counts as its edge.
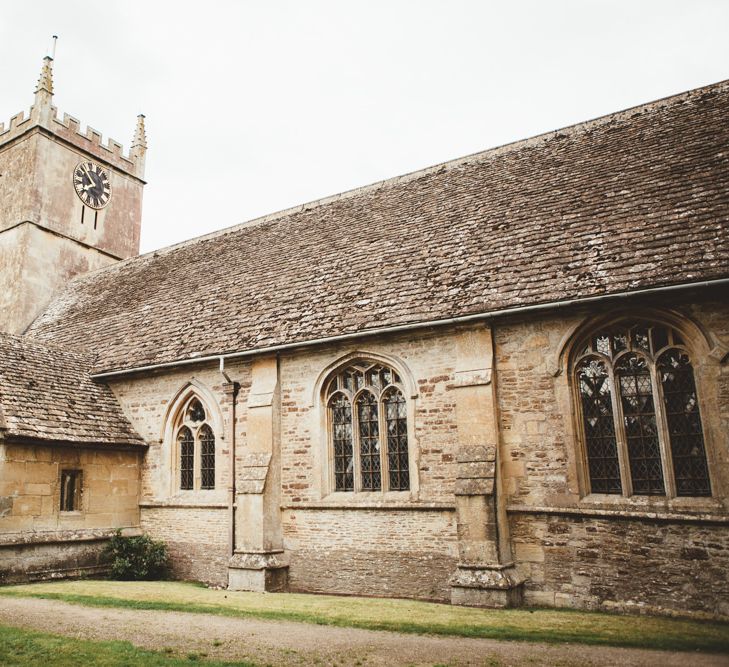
(639, 412)
(195, 447)
(367, 424)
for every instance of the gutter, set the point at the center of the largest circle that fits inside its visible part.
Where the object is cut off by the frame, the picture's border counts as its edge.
(417, 325)
(99, 445)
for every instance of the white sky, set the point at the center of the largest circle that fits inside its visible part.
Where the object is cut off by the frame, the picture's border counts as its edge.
(253, 107)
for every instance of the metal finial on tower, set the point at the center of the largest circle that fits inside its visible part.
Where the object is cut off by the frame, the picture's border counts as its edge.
(53, 49)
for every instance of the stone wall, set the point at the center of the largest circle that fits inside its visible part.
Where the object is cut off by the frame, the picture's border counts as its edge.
(572, 548)
(37, 540)
(619, 563)
(193, 523)
(541, 452)
(597, 550)
(196, 539)
(392, 553)
(425, 360)
(34, 265)
(38, 187)
(371, 543)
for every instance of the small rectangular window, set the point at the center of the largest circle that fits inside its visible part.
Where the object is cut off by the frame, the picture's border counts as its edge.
(71, 490)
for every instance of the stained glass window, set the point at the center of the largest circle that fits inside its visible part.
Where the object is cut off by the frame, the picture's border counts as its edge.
(368, 429)
(684, 424)
(641, 429)
(196, 412)
(196, 447)
(187, 457)
(397, 440)
(598, 421)
(207, 457)
(369, 442)
(622, 374)
(341, 420)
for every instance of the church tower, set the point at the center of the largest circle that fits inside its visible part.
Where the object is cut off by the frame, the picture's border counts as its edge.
(68, 204)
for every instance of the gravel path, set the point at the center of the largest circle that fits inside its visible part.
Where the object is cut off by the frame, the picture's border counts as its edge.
(287, 643)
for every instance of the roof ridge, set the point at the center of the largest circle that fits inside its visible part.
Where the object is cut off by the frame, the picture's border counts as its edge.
(413, 175)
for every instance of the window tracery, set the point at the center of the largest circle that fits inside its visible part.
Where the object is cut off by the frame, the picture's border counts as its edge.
(367, 424)
(195, 447)
(639, 412)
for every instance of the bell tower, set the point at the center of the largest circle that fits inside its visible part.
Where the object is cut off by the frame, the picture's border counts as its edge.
(69, 203)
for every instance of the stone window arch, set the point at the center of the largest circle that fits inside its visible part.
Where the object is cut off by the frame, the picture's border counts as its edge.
(639, 411)
(195, 446)
(367, 428)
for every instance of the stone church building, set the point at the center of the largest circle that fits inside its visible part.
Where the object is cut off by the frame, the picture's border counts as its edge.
(501, 380)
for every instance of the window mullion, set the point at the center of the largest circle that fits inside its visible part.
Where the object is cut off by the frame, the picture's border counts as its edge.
(581, 432)
(196, 460)
(382, 429)
(664, 438)
(620, 437)
(357, 482)
(332, 476)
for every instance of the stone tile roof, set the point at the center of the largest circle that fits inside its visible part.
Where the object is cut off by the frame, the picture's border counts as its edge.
(47, 394)
(633, 200)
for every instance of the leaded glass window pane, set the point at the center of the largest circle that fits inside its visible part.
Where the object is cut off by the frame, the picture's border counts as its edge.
(602, 344)
(341, 420)
(620, 341)
(348, 380)
(641, 430)
(359, 380)
(369, 442)
(684, 424)
(631, 356)
(186, 445)
(397, 440)
(640, 338)
(599, 426)
(367, 438)
(207, 457)
(374, 377)
(196, 412)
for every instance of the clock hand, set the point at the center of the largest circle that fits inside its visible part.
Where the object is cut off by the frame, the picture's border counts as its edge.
(88, 175)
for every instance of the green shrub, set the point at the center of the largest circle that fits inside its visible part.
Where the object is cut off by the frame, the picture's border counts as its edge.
(136, 558)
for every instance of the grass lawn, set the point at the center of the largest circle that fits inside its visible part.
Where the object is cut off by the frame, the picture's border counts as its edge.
(538, 625)
(25, 647)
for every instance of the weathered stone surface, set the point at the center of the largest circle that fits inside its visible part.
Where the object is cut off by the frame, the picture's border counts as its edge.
(476, 453)
(474, 487)
(623, 564)
(196, 538)
(37, 540)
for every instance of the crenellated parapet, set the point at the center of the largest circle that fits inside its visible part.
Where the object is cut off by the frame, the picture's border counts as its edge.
(44, 115)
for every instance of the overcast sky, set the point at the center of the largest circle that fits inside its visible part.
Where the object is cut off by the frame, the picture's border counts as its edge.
(256, 106)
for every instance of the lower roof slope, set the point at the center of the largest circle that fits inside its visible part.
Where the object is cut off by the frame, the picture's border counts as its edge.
(634, 200)
(46, 394)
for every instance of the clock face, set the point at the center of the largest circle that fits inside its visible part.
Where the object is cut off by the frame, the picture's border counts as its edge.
(92, 184)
